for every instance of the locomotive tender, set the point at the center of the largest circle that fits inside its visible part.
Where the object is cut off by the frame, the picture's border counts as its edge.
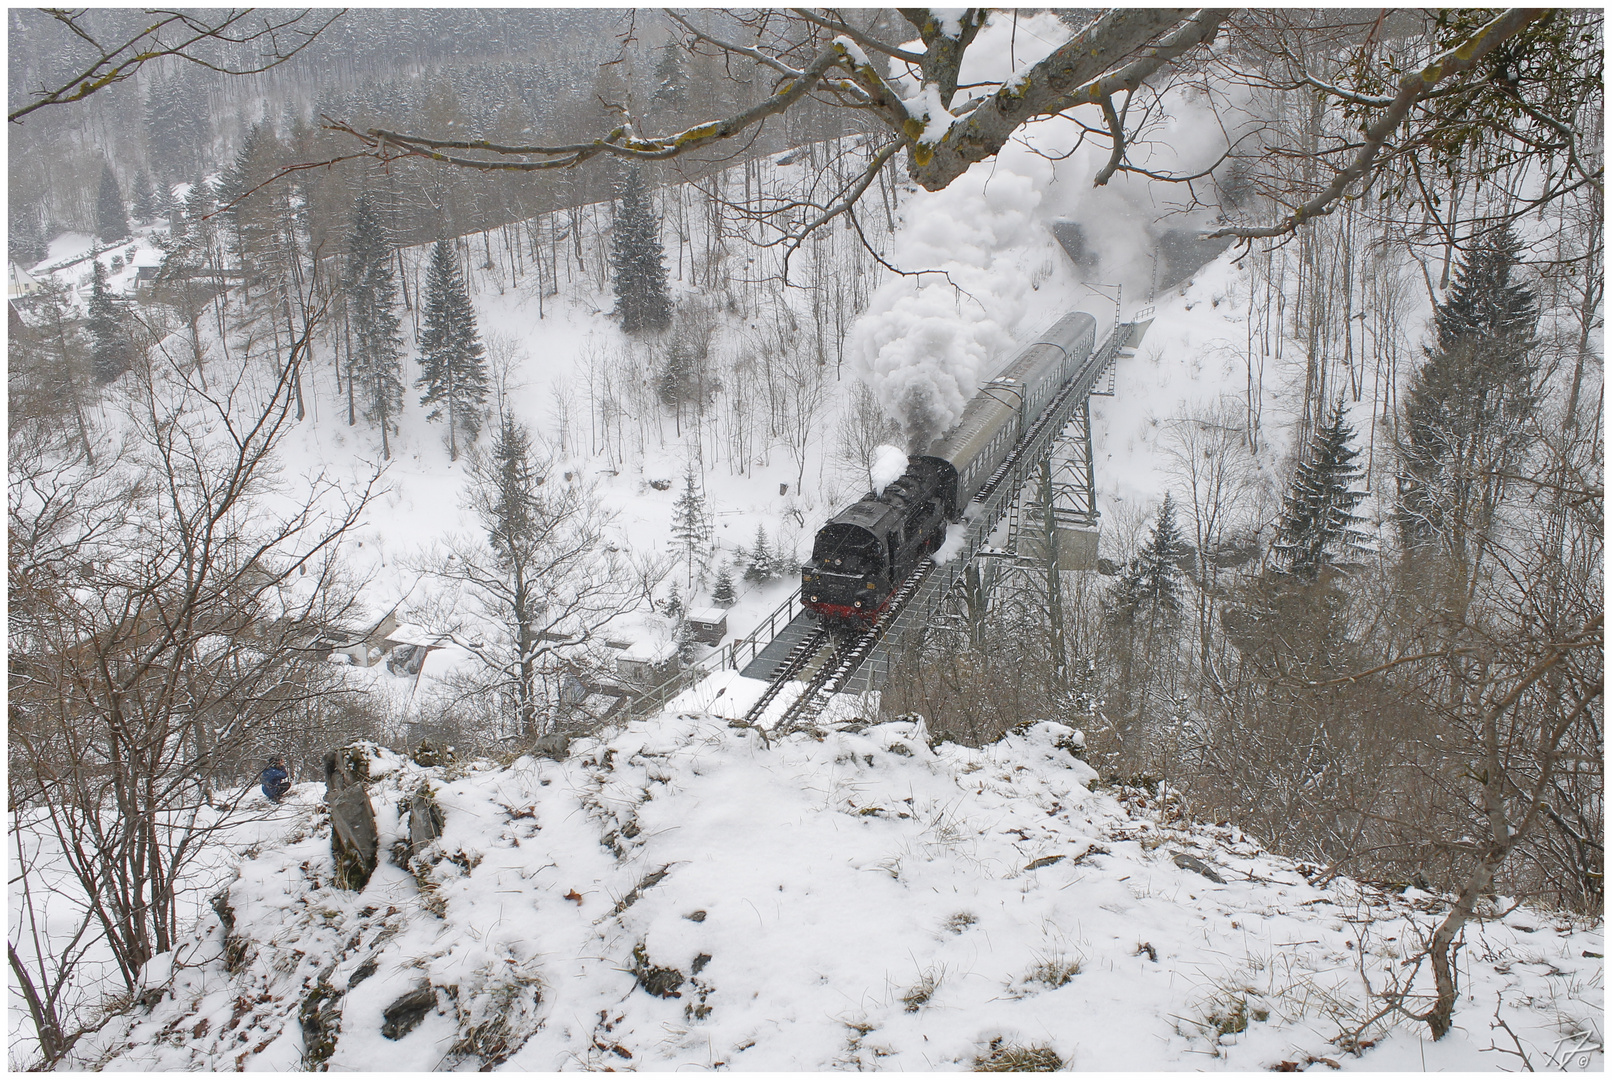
(866, 551)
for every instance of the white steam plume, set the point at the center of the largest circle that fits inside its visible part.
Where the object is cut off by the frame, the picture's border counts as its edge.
(925, 344)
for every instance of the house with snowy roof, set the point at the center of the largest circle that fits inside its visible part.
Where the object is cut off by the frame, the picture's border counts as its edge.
(21, 283)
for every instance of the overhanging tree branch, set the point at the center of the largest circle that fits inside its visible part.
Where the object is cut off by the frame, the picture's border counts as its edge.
(178, 34)
(866, 41)
(1413, 88)
(619, 143)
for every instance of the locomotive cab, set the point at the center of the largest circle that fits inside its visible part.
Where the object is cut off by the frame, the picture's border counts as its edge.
(848, 574)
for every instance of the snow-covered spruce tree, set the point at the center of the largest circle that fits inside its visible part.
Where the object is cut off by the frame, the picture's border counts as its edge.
(671, 83)
(1143, 616)
(691, 525)
(674, 608)
(1149, 593)
(111, 218)
(453, 365)
(1467, 410)
(723, 594)
(677, 382)
(639, 260)
(178, 123)
(47, 367)
(760, 566)
(1317, 526)
(110, 347)
(372, 309)
(197, 205)
(171, 205)
(145, 201)
(685, 378)
(185, 279)
(256, 208)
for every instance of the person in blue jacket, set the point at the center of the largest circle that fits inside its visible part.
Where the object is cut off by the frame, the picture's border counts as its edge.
(276, 780)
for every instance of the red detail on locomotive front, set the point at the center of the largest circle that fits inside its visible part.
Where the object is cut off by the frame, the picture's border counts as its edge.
(846, 611)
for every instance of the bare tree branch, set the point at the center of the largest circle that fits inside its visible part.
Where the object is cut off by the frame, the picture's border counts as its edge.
(178, 34)
(1413, 88)
(840, 26)
(619, 143)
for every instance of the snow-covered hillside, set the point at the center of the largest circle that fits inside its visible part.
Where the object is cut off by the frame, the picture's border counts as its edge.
(683, 894)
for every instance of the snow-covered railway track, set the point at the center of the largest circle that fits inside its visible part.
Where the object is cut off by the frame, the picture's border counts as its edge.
(825, 662)
(797, 662)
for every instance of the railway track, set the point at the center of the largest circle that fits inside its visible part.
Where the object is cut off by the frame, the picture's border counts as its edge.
(824, 660)
(806, 650)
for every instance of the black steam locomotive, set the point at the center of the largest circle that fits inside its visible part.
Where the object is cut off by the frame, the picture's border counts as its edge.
(869, 548)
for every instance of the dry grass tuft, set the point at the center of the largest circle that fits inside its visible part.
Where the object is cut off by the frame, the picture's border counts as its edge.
(1010, 1057)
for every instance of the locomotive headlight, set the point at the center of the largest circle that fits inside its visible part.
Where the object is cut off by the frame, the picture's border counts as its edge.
(837, 562)
(814, 599)
(805, 577)
(859, 603)
(869, 585)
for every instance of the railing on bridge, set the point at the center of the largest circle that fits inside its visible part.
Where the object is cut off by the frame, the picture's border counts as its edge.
(735, 655)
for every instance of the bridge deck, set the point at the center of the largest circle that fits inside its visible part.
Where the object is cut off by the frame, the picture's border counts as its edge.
(767, 662)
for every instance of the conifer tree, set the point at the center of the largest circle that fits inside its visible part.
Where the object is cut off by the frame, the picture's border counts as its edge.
(1318, 521)
(111, 218)
(1143, 615)
(453, 368)
(1150, 590)
(25, 237)
(691, 524)
(671, 84)
(1466, 412)
(197, 204)
(760, 565)
(259, 212)
(372, 307)
(506, 497)
(190, 237)
(678, 381)
(639, 260)
(146, 205)
(723, 593)
(674, 608)
(109, 349)
(57, 343)
(171, 205)
(178, 123)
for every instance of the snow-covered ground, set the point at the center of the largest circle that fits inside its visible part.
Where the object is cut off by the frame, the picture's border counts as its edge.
(851, 898)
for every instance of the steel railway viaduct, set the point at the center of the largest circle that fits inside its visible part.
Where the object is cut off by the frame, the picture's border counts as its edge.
(805, 664)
